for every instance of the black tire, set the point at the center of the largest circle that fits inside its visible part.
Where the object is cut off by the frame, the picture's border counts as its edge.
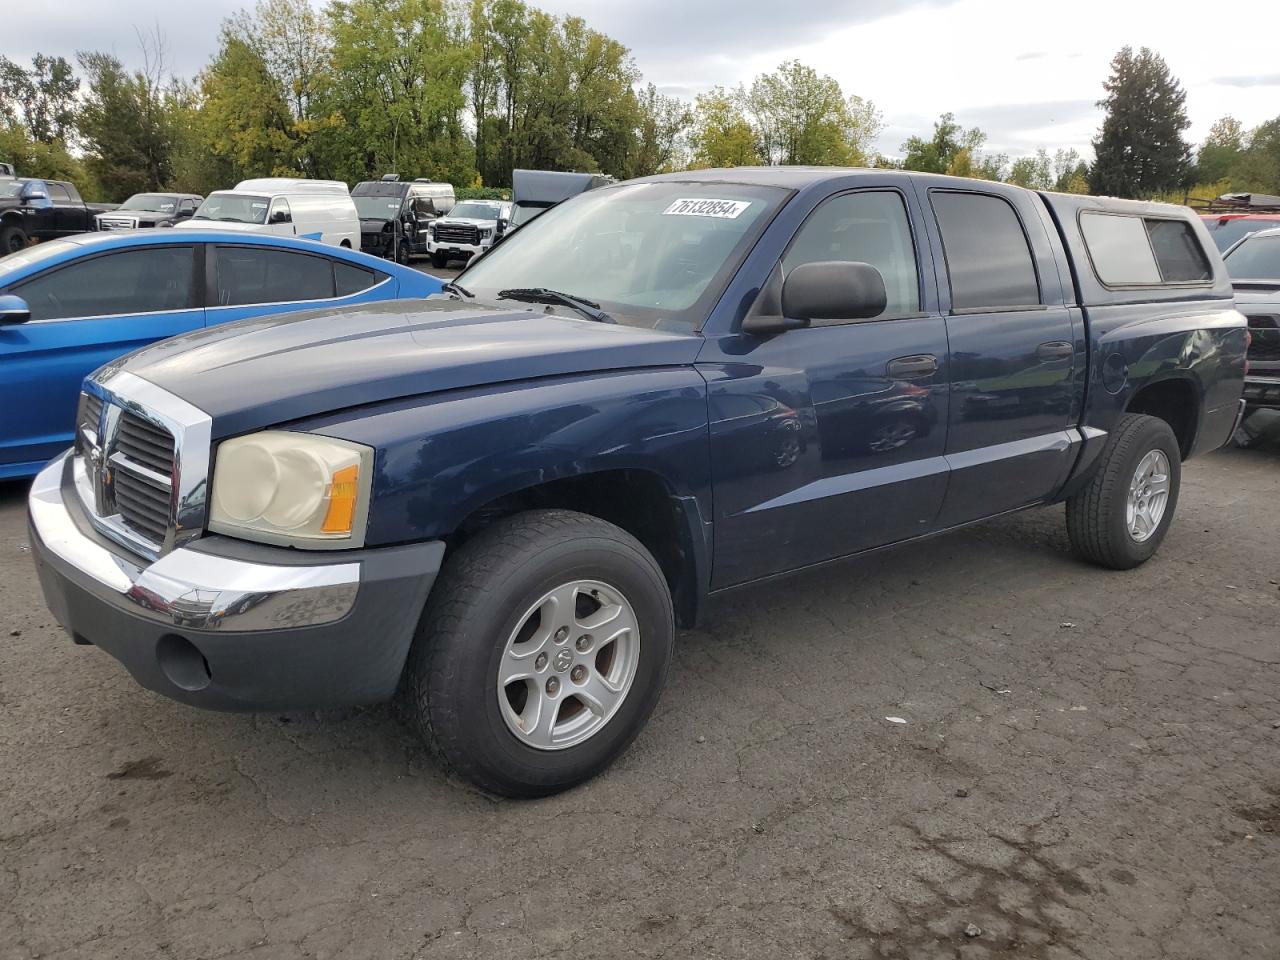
(402, 254)
(439, 261)
(1096, 516)
(449, 692)
(12, 239)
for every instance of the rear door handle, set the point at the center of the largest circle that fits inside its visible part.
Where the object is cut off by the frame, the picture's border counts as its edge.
(1054, 350)
(909, 368)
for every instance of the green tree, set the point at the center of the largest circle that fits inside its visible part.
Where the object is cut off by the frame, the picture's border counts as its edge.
(1140, 150)
(398, 95)
(1070, 173)
(1035, 172)
(1258, 167)
(952, 148)
(721, 135)
(802, 117)
(125, 124)
(662, 123)
(243, 119)
(1220, 151)
(42, 98)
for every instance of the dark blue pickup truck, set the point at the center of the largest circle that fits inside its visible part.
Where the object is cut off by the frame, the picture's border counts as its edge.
(499, 502)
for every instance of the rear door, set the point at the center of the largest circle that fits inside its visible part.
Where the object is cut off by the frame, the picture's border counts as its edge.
(829, 439)
(84, 314)
(69, 213)
(1014, 341)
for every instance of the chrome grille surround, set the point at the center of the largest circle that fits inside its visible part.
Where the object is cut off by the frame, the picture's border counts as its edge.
(108, 221)
(120, 463)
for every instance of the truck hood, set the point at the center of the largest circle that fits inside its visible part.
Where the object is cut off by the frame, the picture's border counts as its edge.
(463, 222)
(271, 370)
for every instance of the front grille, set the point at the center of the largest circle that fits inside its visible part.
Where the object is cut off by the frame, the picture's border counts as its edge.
(1265, 331)
(143, 476)
(117, 223)
(89, 420)
(457, 233)
(141, 441)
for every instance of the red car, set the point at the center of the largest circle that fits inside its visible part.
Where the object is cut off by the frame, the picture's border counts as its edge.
(1236, 215)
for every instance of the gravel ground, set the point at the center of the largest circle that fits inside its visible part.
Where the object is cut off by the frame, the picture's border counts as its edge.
(1089, 767)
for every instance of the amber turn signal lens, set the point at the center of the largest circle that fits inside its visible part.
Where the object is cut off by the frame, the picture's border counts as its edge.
(343, 492)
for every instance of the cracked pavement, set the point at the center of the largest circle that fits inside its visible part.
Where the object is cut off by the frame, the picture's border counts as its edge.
(1089, 768)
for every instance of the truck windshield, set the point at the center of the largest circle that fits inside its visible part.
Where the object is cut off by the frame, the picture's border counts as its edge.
(1257, 258)
(377, 208)
(650, 254)
(150, 202)
(234, 208)
(476, 211)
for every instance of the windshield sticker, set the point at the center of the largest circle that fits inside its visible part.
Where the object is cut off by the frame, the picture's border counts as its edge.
(702, 207)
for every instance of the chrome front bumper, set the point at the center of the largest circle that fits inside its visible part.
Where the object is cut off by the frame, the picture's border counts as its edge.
(230, 625)
(190, 588)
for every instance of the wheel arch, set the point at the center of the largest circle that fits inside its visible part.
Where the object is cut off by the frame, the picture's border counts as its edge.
(1176, 399)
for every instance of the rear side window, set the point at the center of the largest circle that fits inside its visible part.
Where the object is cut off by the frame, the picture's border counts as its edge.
(247, 276)
(1143, 251)
(146, 280)
(349, 279)
(988, 258)
(1258, 258)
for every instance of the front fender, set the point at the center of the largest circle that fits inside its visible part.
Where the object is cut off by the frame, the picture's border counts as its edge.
(443, 456)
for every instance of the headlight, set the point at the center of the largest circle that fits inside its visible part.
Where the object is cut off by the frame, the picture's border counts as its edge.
(295, 489)
(486, 233)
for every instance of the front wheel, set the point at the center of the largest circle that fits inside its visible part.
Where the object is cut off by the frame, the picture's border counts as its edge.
(1121, 517)
(542, 652)
(12, 239)
(439, 261)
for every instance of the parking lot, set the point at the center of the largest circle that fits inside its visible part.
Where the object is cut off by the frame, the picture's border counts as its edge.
(1089, 767)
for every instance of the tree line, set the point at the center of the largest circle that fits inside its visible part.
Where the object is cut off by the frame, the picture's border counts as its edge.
(467, 90)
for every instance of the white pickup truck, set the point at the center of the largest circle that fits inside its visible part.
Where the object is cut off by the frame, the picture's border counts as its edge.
(468, 230)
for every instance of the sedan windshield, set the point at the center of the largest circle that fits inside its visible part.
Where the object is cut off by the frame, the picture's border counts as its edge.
(234, 208)
(151, 202)
(650, 254)
(1257, 258)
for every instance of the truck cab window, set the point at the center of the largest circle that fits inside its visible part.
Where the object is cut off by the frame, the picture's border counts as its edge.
(988, 258)
(868, 227)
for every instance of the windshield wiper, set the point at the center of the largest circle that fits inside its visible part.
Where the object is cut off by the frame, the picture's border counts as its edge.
(587, 308)
(453, 287)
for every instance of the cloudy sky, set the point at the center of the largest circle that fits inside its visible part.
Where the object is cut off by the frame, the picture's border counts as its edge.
(1026, 72)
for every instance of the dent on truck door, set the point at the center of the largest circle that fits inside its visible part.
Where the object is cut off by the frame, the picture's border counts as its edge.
(1012, 355)
(829, 440)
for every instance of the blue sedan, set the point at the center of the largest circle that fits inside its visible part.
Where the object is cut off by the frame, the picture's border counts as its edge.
(69, 306)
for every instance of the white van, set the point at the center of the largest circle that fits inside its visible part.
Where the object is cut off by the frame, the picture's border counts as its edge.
(317, 209)
(441, 195)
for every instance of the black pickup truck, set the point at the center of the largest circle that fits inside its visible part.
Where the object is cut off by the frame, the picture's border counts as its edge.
(43, 210)
(500, 501)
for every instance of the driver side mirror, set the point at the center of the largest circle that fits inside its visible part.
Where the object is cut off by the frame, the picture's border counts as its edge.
(826, 290)
(34, 193)
(280, 216)
(13, 310)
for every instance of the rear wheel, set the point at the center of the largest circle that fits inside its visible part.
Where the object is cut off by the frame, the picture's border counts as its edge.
(541, 654)
(1121, 517)
(439, 261)
(402, 252)
(12, 239)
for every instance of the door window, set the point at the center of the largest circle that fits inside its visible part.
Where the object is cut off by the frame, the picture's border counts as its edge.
(988, 258)
(247, 276)
(866, 227)
(149, 280)
(58, 193)
(280, 212)
(349, 279)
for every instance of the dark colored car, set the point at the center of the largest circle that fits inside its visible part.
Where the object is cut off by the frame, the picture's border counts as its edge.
(1254, 265)
(144, 210)
(42, 210)
(500, 501)
(395, 217)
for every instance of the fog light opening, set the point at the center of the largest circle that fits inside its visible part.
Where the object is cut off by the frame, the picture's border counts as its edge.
(183, 663)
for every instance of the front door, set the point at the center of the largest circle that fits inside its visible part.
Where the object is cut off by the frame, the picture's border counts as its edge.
(829, 439)
(1013, 343)
(83, 315)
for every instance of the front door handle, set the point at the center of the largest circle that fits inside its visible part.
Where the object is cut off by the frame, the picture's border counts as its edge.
(915, 367)
(1054, 350)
